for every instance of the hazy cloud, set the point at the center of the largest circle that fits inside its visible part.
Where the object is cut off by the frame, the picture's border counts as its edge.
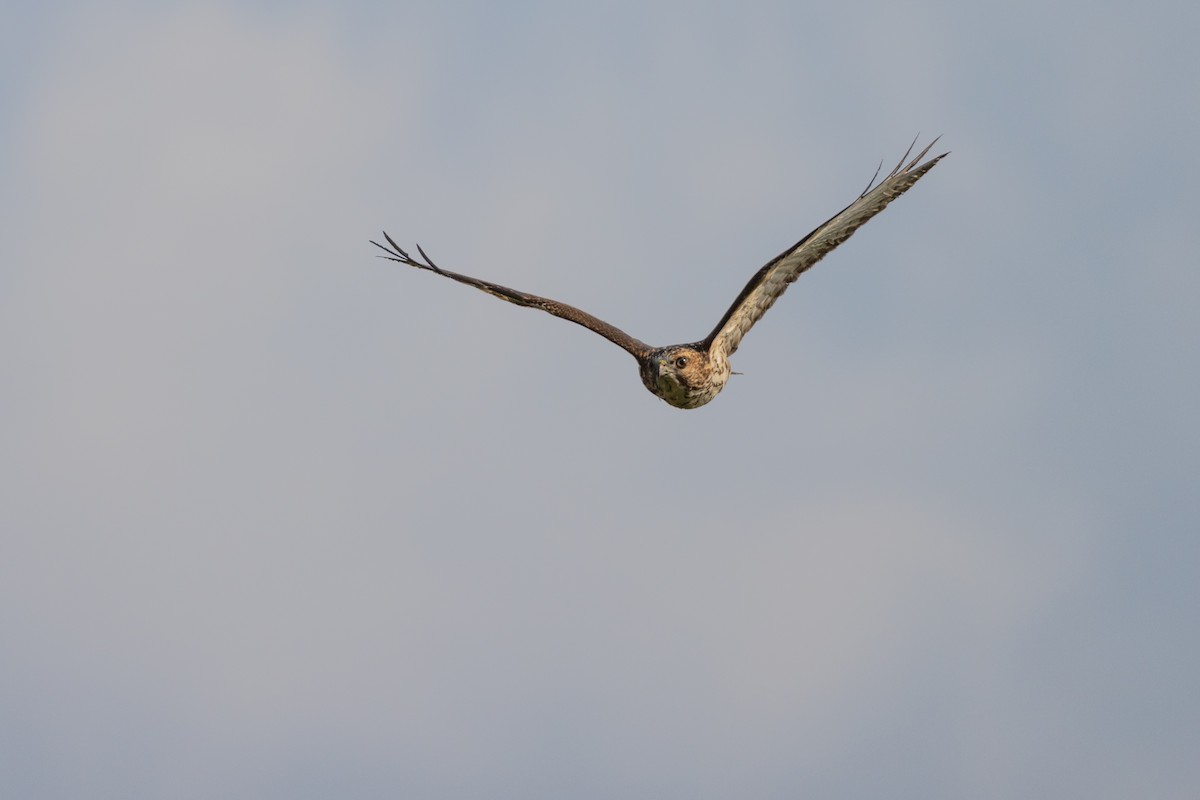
(283, 520)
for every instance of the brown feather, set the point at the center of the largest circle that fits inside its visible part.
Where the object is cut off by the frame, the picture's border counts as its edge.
(773, 279)
(614, 334)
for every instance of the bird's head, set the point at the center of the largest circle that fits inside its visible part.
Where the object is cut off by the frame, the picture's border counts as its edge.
(683, 375)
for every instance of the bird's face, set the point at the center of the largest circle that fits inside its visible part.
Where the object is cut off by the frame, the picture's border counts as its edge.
(682, 375)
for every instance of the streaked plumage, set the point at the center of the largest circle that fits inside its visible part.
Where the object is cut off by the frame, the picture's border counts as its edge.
(690, 375)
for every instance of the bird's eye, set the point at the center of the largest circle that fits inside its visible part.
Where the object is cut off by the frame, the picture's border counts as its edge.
(681, 362)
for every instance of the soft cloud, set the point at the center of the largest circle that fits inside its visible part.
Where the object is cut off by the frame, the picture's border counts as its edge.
(283, 520)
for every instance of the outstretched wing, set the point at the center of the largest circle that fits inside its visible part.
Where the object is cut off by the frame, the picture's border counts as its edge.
(611, 332)
(772, 280)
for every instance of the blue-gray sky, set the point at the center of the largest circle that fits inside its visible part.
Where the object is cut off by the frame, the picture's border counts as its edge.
(284, 520)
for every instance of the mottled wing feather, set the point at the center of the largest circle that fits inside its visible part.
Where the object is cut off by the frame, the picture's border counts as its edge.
(773, 279)
(611, 332)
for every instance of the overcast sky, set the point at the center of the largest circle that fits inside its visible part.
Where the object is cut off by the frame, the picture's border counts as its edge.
(279, 519)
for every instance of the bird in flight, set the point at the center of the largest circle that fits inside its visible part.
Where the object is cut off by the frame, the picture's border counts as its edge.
(690, 375)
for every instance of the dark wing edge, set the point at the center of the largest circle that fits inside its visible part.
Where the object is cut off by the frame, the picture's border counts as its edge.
(773, 279)
(614, 334)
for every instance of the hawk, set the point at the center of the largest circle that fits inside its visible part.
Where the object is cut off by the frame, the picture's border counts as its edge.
(690, 375)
